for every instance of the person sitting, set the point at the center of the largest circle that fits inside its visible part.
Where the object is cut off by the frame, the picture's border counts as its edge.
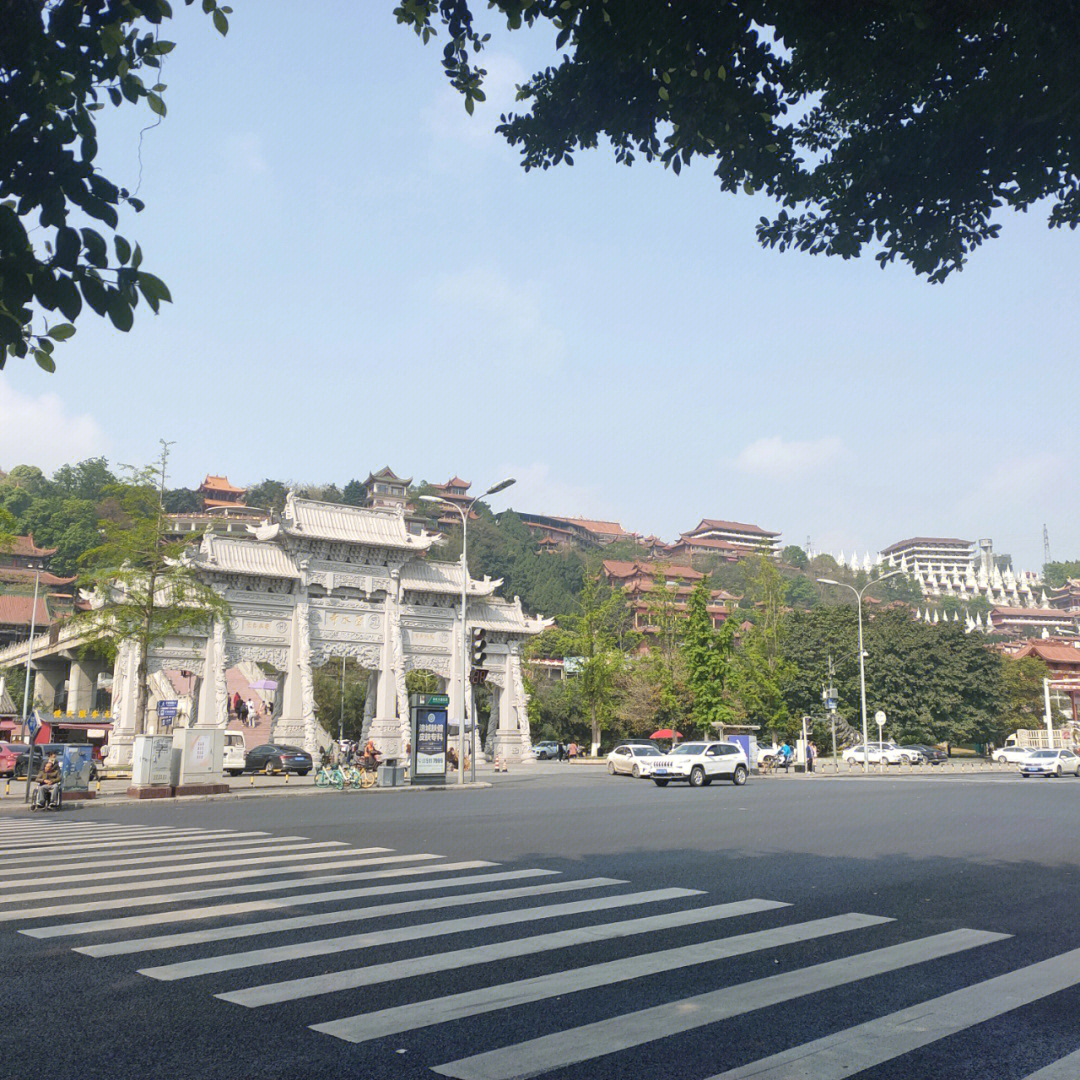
(50, 784)
(371, 755)
(451, 757)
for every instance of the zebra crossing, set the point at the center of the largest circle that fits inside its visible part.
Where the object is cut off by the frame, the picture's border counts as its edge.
(264, 922)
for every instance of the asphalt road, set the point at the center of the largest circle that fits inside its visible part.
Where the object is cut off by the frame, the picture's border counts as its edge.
(562, 923)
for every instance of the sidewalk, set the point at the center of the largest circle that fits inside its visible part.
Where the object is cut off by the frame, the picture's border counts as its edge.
(253, 786)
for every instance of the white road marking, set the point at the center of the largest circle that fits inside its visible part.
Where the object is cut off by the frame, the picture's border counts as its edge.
(330, 918)
(336, 859)
(474, 1002)
(216, 911)
(1067, 1068)
(835, 1057)
(97, 842)
(328, 946)
(280, 885)
(209, 860)
(497, 952)
(575, 1045)
(227, 849)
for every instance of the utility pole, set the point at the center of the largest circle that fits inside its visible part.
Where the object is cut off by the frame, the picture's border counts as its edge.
(1046, 545)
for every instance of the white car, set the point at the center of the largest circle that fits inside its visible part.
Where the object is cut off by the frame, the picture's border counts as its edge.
(879, 752)
(634, 759)
(700, 763)
(1013, 755)
(1050, 763)
(767, 753)
(235, 753)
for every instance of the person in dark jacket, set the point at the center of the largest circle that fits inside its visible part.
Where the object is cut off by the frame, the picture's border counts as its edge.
(50, 782)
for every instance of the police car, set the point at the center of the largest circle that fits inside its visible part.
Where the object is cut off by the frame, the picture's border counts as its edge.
(700, 763)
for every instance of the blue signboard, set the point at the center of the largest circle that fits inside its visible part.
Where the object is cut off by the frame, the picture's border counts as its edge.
(429, 742)
(166, 711)
(32, 722)
(75, 766)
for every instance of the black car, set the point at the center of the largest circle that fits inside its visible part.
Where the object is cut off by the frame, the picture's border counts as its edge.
(930, 754)
(273, 758)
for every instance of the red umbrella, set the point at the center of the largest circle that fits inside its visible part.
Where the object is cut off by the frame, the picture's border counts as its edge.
(666, 733)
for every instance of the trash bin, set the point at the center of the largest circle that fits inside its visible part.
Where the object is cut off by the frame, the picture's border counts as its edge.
(391, 775)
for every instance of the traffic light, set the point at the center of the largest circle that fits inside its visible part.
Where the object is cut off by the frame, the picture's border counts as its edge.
(479, 647)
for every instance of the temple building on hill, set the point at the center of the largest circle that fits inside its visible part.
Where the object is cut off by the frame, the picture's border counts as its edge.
(637, 579)
(16, 610)
(216, 491)
(948, 566)
(1067, 598)
(455, 491)
(224, 510)
(384, 490)
(730, 540)
(586, 532)
(23, 560)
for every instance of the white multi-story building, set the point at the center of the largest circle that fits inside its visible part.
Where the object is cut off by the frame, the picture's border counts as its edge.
(964, 569)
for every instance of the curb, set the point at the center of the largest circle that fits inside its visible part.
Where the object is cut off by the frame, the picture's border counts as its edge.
(113, 801)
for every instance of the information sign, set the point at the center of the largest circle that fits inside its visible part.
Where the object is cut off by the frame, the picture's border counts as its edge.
(429, 738)
(75, 766)
(166, 710)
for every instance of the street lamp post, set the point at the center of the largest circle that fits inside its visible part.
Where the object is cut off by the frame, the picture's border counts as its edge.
(26, 684)
(501, 486)
(862, 665)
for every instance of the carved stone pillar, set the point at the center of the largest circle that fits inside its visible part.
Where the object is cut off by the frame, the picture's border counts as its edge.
(386, 729)
(125, 700)
(297, 723)
(512, 741)
(369, 704)
(213, 691)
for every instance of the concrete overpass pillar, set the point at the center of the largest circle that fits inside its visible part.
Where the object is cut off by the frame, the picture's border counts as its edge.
(49, 676)
(82, 683)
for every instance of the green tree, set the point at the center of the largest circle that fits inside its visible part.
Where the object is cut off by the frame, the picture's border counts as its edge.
(794, 555)
(1055, 574)
(270, 495)
(901, 126)
(589, 635)
(1022, 694)
(330, 696)
(60, 62)
(707, 654)
(87, 480)
(144, 590)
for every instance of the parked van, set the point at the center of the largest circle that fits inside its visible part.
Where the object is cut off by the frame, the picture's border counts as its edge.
(235, 753)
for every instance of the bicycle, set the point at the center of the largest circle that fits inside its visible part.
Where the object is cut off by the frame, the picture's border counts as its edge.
(330, 776)
(361, 777)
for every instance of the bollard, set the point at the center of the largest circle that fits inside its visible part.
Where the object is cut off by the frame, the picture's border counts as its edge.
(252, 780)
(286, 777)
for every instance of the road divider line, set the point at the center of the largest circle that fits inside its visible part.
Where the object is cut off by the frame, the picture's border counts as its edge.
(216, 911)
(372, 1025)
(282, 885)
(865, 1046)
(497, 952)
(330, 918)
(328, 946)
(585, 1043)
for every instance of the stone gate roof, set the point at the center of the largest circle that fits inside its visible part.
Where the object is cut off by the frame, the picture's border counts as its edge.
(305, 518)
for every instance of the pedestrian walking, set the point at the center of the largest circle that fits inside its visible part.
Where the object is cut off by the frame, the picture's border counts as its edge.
(811, 756)
(572, 750)
(236, 704)
(251, 714)
(561, 753)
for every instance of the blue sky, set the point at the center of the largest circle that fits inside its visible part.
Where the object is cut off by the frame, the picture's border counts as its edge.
(363, 275)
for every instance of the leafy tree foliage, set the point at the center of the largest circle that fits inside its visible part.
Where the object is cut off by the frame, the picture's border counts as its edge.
(707, 654)
(794, 555)
(1055, 574)
(145, 590)
(901, 126)
(353, 493)
(60, 62)
(270, 495)
(327, 681)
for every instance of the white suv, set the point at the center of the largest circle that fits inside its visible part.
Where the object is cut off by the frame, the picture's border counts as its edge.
(879, 752)
(700, 763)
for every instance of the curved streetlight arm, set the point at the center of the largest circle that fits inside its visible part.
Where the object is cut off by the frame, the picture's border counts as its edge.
(862, 659)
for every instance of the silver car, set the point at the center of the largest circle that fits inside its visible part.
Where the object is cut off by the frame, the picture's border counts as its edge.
(634, 759)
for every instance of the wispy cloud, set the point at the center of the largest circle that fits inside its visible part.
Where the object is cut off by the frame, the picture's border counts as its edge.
(244, 154)
(39, 430)
(783, 459)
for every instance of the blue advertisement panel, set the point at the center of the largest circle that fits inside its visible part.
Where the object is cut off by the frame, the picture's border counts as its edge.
(75, 767)
(429, 745)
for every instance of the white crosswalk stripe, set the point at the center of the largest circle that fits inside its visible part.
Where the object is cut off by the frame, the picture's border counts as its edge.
(331, 946)
(835, 1057)
(225, 850)
(1067, 1068)
(127, 891)
(591, 1041)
